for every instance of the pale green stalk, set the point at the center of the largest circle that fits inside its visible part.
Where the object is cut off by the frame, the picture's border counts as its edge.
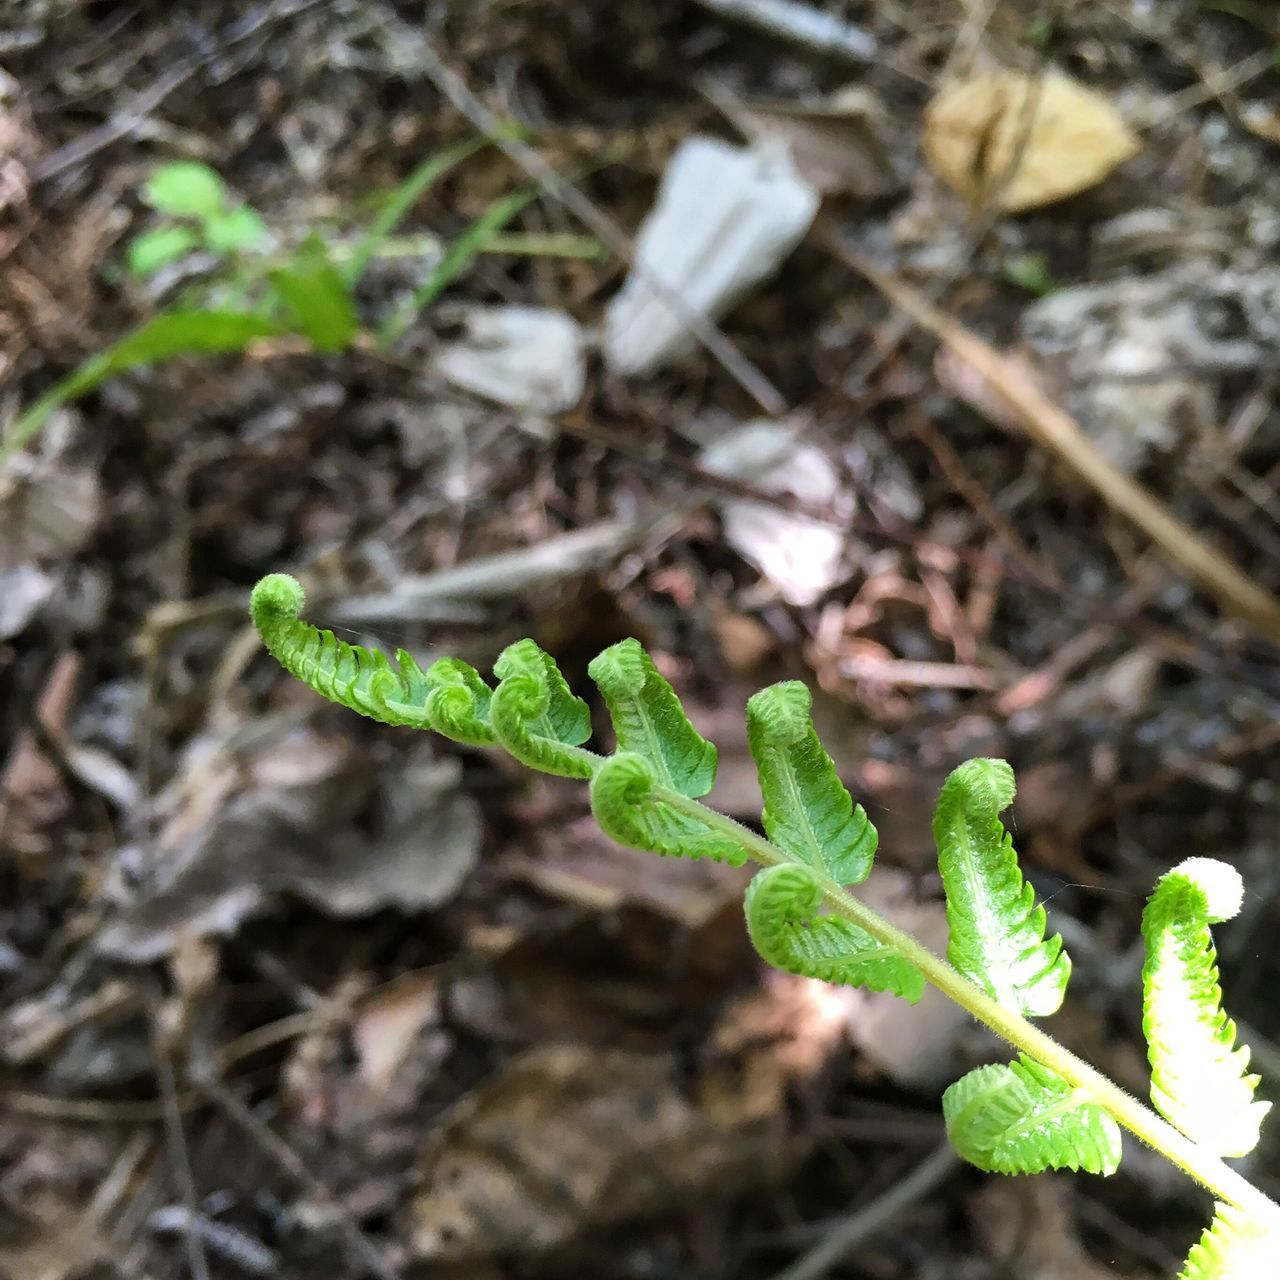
(1207, 1169)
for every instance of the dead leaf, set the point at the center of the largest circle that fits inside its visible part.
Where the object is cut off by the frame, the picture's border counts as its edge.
(1026, 1225)
(801, 556)
(1013, 142)
(837, 143)
(285, 821)
(387, 1023)
(566, 1138)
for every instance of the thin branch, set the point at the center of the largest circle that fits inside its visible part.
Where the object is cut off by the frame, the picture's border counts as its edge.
(874, 1217)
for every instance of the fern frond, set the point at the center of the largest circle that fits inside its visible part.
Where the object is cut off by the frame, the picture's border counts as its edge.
(1022, 1118)
(358, 678)
(458, 703)
(1234, 1246)
(649, 720)
(1199, 1079)
(536, 716)
(997, 930)
(627, 800)
(808, 811)
(781, 906)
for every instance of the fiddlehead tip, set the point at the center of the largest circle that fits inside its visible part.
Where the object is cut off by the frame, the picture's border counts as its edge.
(277, 598)
(1219, 882)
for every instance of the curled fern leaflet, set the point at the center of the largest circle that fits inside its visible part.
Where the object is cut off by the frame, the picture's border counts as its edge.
(1199, 1078)
(358, 678)
(782, 904)
(1022, 1118)
(808, 811)
(536, 716)
(458, 703)
(997, 930)
(629, 805)
(649, 720)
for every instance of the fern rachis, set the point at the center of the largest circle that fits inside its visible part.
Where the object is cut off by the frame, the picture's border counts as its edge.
(1046, 1109)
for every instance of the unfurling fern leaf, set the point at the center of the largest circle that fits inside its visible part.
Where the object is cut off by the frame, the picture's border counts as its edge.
(997, 930)
(628, 802)
(358, 678)
(781, 906)
(1234, 1246)
(808, 811)
(649, 720)
(458, 704)
(1199, 1079)
(1022, 1118)
(536, 716)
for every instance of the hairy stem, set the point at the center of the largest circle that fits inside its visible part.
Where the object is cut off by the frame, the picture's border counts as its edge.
(1223, 1181)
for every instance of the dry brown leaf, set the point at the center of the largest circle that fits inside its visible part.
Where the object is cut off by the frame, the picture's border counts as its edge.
(564, 1138)
(1012, 142)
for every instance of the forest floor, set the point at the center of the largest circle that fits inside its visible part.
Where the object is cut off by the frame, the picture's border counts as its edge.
(286, 992)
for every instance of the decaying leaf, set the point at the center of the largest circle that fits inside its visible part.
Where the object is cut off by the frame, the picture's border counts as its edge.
(531, 358)
(801, 556)
(284, 820)
(1012, 142)
(837, 143)
(566, 1138)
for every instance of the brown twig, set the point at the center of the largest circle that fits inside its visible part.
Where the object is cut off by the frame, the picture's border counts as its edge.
(1054, 429)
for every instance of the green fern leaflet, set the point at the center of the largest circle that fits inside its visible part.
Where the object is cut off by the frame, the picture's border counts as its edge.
(781, 906)
(997, 930)
(1021, 1118)
(1199, 1078)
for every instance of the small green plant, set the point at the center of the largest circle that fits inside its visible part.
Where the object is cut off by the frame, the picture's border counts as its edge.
(1047, 1109)
(252, 292)
(200, 215)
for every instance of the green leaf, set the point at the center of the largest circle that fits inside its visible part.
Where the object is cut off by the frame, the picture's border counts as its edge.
(358, 678)
(173, 333)
(1199, 1079)
(458, 703)
(315, 292)
(158, 247)
(649, 720)
(235, 230)
(401, 200)
(808, 811)
(630, 805)
(1023, 1118)
(457, 258)
(997, 930)
(1234, 1246)
(781, 906)
(536, 716)
(187, 190)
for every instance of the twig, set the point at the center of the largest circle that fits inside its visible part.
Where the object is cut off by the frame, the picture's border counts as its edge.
(125, 122)
(293, 1164)
(873, 1217)
(747, 375)
(799, 24)
(196, 1259)
(1055, 429)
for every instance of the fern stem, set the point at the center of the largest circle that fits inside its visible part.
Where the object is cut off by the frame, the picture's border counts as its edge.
(1140, 1120)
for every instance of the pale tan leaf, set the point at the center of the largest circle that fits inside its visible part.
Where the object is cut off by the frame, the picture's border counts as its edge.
(1012, 142)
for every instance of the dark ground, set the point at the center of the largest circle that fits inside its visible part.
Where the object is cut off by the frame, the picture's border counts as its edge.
(287, 993)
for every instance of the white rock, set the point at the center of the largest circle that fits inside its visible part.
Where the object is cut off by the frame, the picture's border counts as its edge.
(724, 220)
(529, 358)
(801, 556)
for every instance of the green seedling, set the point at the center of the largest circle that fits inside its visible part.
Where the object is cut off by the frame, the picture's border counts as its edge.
(252, 292)
(199, 214)
(1047, 1108)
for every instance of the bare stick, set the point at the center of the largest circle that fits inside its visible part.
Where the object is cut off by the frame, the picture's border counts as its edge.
(873, 1217)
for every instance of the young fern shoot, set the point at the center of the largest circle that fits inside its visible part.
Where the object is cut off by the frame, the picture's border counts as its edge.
(1047, 1109)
